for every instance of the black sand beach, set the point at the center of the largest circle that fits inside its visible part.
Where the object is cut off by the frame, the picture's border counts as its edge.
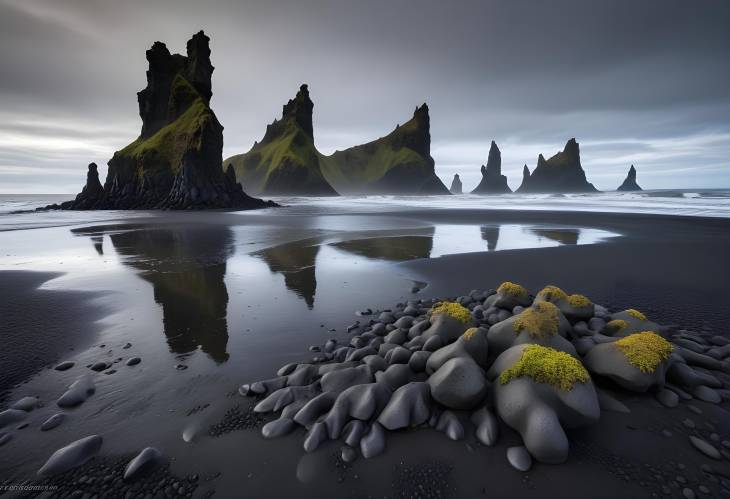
(671, 268)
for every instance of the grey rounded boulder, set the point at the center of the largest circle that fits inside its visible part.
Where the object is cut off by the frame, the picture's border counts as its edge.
(458, 384)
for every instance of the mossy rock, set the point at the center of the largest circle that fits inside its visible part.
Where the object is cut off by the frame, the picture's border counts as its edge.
(574, 307)
(508, 296)
(540, 392)
(473, 343)
(628, 322)
(540, 324)
(637, 362)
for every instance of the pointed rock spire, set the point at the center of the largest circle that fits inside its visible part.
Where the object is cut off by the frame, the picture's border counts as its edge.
(493, 182)
(561, 173)
(456, 185)
(629, 184)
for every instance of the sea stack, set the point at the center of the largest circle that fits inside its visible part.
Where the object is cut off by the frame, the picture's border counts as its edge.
(175, 162)
(285, 162)
(629, 183)
(399, 163)
(455, 185)
(493, 182)
(561, 173)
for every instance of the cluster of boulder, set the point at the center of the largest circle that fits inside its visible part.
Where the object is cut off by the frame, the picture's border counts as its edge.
(488, 358)
(562, 173)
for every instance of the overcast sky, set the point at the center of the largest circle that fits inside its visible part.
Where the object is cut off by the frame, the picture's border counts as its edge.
(642, 82)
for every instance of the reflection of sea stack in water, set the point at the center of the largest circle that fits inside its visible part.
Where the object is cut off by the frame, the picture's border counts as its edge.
(561, 173)
(456, 185)
(493, 182)
(629, 183)
(491, 236)
(186, 268)
(391, 248)
(296, 262)
(175, 161)
(562, 236)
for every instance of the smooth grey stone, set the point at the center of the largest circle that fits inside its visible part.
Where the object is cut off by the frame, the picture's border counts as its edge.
(476, 347)
(53, 421)
(458, 384)
(398, 355)
(395, 376)
(330, 345)
(667, 398)
(707, 394)
(376, 342)
(688, 493)
(386, 317)
(143, 462)
(337, 381)
(353, 431)
(26, 404)
(268, 385)
(5, 438)
(720, 340)
(689, 344)
(316, 435)
(362, 402)
(72, 455)
(359, 341)
(404, 322)
(77, 393)
(433, 343)
(583, 345)
(418, 328)
(373, 443)
(326, 368)
(375, 363)
(341, 353)
(360, 353)
(683, 375)
(397, 336)
(289, 411)
(384, 348)
(283, 397)
(134, 361)
(313, 409)
(503, 315)
(379, 329)
(705, 447)
(99, 366)
(698, 359)
(596, 324)
(348, 454)
(681, 393)
(287, 369)
(411, 311)
(719, 352)
(449, 424)
(519, 458)
(609, 403)
(487, 426)
(518, 310)
(409, 406)
(418, 361)
(303, 375)
(64, 366)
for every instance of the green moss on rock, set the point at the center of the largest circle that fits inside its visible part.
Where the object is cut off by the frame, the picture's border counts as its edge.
(540, 320)
(644, 350)
(547, 365)
(453, 310)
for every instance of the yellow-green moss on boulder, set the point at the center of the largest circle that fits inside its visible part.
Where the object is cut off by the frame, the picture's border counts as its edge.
(540, 320)
(547, 365)
(645, 350)
(453, 310)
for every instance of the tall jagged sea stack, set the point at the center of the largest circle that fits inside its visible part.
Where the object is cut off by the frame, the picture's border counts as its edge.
(175, 161)
(561, 173)
(493, 182)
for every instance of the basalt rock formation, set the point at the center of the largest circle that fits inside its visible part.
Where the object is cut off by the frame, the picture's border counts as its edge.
(561, 173)
(399, 163)
(175, 162)
(285, 162)
(629, 183)
(493, 182)
(455, 185)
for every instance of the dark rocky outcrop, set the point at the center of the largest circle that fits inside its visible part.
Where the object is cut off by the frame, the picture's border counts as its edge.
(285, 162)
(399, 163)
(629, 184)
(561, 173)
(493, 182)
(175, 162)
(455, 185)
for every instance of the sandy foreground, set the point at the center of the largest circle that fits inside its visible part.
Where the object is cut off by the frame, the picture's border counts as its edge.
(209, 301)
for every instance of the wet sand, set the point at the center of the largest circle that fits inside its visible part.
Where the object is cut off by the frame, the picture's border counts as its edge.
(671, 268)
